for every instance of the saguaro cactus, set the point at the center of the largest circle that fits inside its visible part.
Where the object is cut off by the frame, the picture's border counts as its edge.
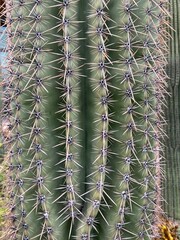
(172, 115)
(83, 100)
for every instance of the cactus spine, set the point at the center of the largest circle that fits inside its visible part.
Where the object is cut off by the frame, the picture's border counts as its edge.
(84, 170)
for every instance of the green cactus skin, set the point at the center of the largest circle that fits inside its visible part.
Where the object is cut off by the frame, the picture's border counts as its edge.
(171, 184)
(83, 99)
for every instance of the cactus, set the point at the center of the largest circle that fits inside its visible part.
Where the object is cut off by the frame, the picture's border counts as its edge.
(171, 154)
(82, 112)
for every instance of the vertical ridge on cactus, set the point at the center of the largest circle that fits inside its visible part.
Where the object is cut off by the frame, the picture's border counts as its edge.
(86, 168)
(70, 84)
(140, 131)
(31, 77)
(98, 33)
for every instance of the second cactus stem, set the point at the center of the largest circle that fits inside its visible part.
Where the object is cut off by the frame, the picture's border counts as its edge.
(83, 95)
(172, 178)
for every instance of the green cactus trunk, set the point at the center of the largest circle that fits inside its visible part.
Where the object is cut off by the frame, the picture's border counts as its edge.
(83, 101)
(172, 153)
